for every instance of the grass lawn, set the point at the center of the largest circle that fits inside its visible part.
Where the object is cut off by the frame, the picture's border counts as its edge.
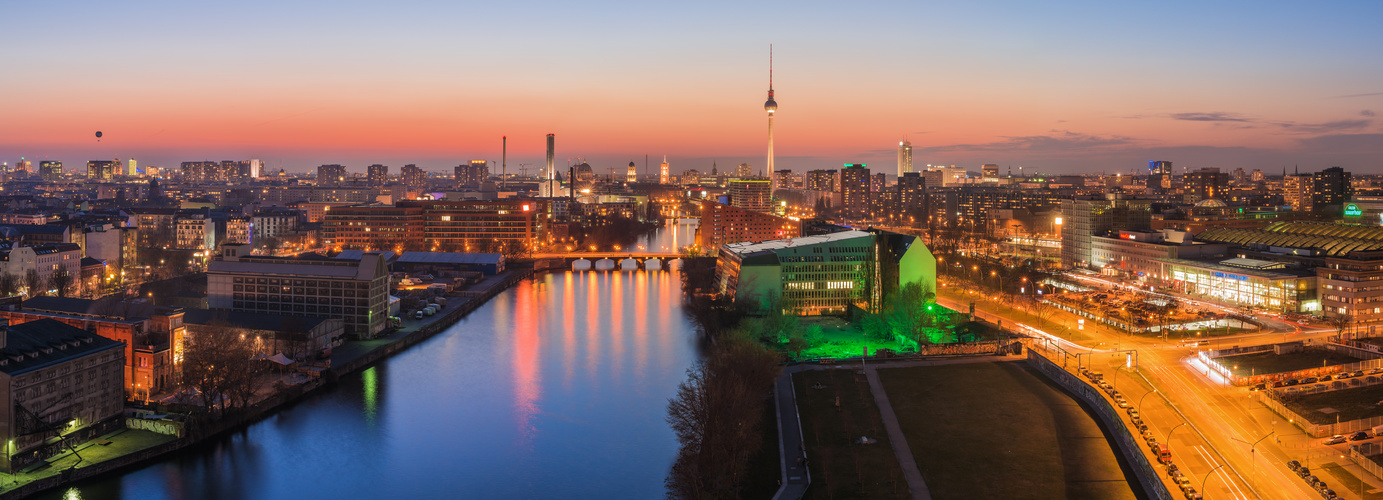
(1267, 362)
(765, 469)
(1345, 481)
(841, 468)
(1353, 404)
(998, 430)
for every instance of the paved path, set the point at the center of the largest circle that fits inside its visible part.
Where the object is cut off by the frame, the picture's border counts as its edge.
(896, 437)
(791, 455)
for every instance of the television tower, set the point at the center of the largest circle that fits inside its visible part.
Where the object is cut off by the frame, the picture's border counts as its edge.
(770, 107)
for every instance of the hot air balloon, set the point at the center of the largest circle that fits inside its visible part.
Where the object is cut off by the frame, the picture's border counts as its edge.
(98, 136)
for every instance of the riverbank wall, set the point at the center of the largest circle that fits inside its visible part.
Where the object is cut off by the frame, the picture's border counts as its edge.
(202, 430)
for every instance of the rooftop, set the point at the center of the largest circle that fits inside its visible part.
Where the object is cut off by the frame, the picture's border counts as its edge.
(450, 258)
(253, 321)
(45, 342)
(1280, 273)
(749, 247)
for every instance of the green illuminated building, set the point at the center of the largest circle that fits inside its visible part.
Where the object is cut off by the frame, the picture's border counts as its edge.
(824, 274)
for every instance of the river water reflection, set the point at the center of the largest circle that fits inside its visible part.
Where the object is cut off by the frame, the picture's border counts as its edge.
(554, 389)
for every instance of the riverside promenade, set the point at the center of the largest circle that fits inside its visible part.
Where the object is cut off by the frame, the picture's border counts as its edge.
(129, 448)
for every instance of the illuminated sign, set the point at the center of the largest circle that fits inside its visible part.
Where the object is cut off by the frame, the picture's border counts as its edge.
(1352, 210)
(1231, 276)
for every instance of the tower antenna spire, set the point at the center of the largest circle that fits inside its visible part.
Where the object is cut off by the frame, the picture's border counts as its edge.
(770, 69)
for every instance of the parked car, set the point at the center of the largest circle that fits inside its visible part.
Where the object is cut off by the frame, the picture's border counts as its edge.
(1336, 439)
(1311, 480)
(1132, 413)
(1258, 387)
(1326, 378)
(1303, 471)
(1293, 465)
(1359, 436)
(1291, 382)
(1328, 494)
(1309, 380)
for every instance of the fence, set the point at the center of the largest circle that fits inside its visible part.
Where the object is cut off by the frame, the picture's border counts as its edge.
(1273, 401)
(1211, 359)
(1131, 448)
(1360, 455)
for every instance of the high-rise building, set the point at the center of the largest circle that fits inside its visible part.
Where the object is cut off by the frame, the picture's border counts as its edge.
(854, 190)
(1296, 192)
(820, 180)
(1159, 176)
(130, 169)
(751, 194)
(770, 106)
(1204, 184)
(663, 176)
(989, 171)
(632, 175)
(1256, 175)
(412, 177)
(472, 174)
(782, 179)
(877, 182)
(1083, 219)
(904, 157)
(331, 175)
(377, 175)
(50, 170)
(102, 170)
(1332, 186)
(23, 169)
(744, 171)
(256, 168)
(550, 170)
(912, 194)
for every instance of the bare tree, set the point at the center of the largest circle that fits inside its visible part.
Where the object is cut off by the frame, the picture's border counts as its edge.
(217, 364)
(62, 280)
(1340, 322)
(33, 283)
(9, 284)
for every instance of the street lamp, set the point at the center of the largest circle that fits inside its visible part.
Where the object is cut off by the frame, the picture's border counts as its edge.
(1207, 477)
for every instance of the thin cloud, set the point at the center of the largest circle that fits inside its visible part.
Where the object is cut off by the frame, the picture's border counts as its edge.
(1058, 141)
(1366, 112)
(1371, 94)
(1325, 128)
(1216, 116)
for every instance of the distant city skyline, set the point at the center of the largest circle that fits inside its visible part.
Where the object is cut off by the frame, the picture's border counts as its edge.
(1060, 88)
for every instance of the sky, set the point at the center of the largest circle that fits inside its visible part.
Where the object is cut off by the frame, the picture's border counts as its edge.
(1069, 87)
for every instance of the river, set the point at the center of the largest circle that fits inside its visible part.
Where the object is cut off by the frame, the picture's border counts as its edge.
(554, 389)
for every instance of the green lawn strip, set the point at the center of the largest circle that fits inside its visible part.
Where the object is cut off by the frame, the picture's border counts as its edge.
(996, 430)
(765, 469)
(1345, 482)
(1267, 362)
(1352, 404)
(840, 467)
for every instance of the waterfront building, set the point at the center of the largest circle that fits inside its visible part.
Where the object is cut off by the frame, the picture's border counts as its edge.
(355, 291)
(299, 338)
(824, 274)
(59, 386)
(152, 336)
(723, 224)
(755, 195)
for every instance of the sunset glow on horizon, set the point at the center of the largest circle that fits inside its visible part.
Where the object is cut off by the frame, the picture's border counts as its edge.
(1070, 88)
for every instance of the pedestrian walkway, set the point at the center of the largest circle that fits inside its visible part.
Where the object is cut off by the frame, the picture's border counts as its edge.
(896, 437)
(791, 454)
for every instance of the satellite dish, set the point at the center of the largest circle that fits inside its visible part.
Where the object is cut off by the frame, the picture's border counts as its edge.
(98, 136)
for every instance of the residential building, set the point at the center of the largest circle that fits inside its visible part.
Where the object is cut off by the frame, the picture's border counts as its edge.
(1353, 286)
(373, 227)
(1159, 176)
(50, 170)
(355, 291)
(195, 232)
(824, 274)
(1297, 192)
(854, 191)
(239, 230)
(1204, 184)
(45, 260)
(413, 177)
(472, 174)
(724, 224)
(989, 172)
(821, 180)
(102, 170)
(274, 222)
(377, 175)
(1332, 186)
(59, 386)
(904, 157)
(744, 171)
(331, 175)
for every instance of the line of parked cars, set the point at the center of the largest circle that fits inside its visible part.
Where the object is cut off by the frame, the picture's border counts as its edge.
(1304, 473)
(1160, 450)
(1370, 377)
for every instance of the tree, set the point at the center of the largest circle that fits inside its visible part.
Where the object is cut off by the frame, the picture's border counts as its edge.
(62, 280)
(1042, 309)
(716, 415)
(33, 283)
(9, 284)
(217, 363)
(797, 342)
(1340, 322)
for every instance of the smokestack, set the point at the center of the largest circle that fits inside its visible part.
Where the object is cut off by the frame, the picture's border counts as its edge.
(503, 160)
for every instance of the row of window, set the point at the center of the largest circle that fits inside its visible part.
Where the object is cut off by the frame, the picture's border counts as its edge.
(337, 311)
(362, 285)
